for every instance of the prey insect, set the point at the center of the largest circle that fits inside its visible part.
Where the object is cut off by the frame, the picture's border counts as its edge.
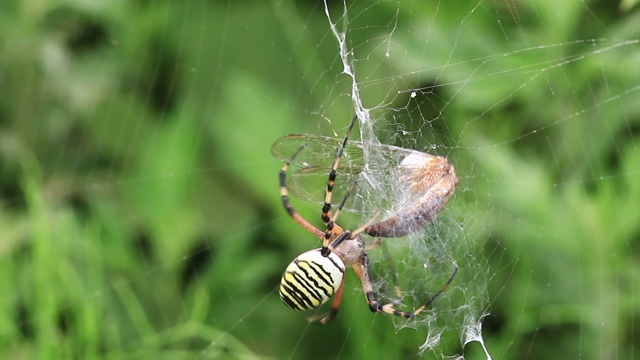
(317, 275)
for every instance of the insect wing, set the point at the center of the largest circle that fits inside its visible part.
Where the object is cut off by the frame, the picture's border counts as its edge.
(320, 151)
(312, 165)
(317, 150)
(310, 170)
(309, 183)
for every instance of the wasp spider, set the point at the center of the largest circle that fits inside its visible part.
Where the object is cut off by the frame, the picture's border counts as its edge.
(317, 275)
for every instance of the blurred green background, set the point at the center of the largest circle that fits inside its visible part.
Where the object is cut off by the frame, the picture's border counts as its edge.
(139, 209)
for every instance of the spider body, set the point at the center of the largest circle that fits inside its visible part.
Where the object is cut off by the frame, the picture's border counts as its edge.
(317, 275)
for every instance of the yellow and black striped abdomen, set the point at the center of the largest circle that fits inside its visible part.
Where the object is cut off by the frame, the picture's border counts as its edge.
(311, 279)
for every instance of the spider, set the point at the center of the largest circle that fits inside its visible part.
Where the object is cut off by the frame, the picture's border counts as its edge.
(317, 275)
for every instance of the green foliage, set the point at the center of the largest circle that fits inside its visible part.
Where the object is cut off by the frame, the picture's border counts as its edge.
(139, 208)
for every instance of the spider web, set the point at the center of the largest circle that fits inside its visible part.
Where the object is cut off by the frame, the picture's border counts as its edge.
(427, 257)
(139, 204)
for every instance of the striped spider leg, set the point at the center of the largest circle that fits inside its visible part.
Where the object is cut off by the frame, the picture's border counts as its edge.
(317, 275)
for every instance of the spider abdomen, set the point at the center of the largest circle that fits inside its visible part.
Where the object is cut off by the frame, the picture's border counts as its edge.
(311, 279)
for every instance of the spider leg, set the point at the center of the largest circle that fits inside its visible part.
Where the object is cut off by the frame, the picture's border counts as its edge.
(377, 243)
(440, 291)
(284, 194)
(387, 258)
(326, 207)
(362, 271)
(366, 225)
(343, 201)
